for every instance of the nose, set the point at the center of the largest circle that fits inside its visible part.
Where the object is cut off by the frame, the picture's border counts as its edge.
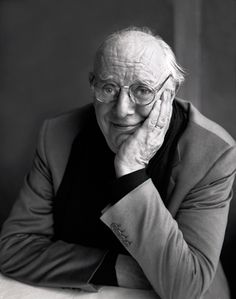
(124, 106)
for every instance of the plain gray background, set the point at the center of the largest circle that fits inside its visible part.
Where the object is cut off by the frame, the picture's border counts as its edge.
(46, 50)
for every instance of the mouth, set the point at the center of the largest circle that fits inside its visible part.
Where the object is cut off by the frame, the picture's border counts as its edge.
(126, 127)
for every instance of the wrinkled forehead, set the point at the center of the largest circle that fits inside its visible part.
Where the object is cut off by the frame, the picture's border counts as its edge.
(135, 53)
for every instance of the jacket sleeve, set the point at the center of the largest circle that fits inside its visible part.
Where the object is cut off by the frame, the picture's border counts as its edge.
(27, 251)
(179, 256)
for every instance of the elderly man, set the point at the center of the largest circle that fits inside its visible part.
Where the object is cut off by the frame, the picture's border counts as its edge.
(131, 191)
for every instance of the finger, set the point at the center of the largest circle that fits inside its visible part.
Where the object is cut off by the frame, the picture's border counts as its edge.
(153, 115)
(165, 111)
(169, 106)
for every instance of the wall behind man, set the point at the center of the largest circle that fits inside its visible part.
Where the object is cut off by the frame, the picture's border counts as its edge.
(46, 48)
(219, 62)
(45, 53)
(218, 80)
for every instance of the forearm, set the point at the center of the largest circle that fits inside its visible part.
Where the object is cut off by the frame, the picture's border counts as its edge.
(29, 253)
(130, 274)
(36, 260)
(179, 260)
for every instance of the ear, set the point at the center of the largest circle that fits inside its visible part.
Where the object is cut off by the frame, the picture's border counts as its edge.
(91, 78)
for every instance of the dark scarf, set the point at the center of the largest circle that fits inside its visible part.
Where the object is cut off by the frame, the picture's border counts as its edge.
(86, 185)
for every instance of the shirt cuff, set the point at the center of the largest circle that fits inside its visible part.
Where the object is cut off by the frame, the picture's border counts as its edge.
(126, 183)
(106, 273)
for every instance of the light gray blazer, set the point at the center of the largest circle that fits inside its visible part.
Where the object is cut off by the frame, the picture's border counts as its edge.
(177, 245)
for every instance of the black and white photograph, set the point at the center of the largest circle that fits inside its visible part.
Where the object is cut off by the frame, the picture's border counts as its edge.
(117, 152)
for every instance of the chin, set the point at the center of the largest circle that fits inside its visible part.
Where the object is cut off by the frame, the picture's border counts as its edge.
(112, 147)
(116, 143)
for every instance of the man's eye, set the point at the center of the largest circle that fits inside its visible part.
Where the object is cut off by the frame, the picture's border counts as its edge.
(142, 91)
(109, 89)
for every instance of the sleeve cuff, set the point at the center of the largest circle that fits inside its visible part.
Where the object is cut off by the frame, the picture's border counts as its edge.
(106, 273)
(126, 183)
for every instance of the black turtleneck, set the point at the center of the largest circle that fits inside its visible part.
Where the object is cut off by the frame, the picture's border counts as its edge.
(90, 184)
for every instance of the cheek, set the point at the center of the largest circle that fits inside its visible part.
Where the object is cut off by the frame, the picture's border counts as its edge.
(101, 114)
(145, 110)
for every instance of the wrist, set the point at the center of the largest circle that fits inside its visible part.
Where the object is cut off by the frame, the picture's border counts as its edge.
(122, 170)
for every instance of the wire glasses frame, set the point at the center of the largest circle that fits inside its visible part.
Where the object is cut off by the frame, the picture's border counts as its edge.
(140, 94)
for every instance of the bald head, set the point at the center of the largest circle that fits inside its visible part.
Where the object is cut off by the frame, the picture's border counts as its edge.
(134, 46)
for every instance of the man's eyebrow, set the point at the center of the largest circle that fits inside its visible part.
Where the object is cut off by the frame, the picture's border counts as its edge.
(108, 81)
(105, 77)
(150, 83)
(145, 82)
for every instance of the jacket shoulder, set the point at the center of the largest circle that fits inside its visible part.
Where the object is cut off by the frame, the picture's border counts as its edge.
(206, 154)
(203, 146)
(57, 136)
(71, 121)
(214, 131)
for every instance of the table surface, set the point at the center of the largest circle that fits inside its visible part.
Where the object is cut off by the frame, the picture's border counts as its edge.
(11, 289)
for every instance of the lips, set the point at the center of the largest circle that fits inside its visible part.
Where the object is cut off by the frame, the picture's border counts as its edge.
(125, 127)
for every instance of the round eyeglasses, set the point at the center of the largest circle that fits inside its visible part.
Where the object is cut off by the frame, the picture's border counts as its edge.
(140, 94)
